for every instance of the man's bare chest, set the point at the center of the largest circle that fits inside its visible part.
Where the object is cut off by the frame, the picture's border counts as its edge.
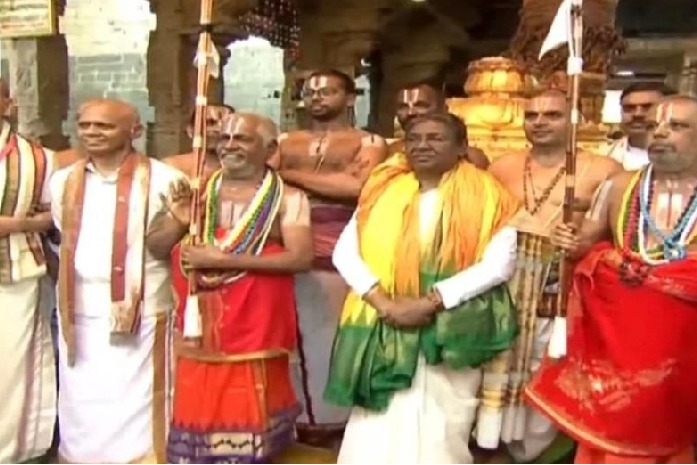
(328, 153)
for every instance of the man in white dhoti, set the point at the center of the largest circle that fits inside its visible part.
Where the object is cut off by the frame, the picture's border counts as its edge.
(636, 101)
(114, 299)
(426, 256)
(27, 384)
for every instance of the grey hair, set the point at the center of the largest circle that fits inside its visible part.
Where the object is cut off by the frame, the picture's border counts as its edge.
(266, 128)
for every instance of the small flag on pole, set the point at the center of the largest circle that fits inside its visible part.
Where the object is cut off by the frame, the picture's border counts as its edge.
(210, 57)
(560, 30)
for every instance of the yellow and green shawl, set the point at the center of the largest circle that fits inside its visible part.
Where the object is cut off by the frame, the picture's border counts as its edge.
(370, 359)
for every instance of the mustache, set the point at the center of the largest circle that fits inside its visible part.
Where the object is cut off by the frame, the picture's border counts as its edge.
(231, 152)
(419, 153)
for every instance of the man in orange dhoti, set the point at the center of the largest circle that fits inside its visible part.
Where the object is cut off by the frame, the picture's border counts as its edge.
(626, 389)
(27, 386)
(114, 298)
(233, 397)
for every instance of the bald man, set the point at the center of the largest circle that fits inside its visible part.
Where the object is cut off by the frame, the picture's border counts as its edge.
(27, 384)
(233, 397)
(185, 162)
(536, 177)
(114, 298)
(424, 99)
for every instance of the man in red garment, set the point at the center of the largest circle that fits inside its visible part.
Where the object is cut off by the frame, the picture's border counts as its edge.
(627, 389)
(234, 400)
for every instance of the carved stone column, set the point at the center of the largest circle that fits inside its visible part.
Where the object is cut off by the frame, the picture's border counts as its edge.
(216, 87)
(38, 81)
(168, 85)
(417, 44)
(688, 78)
(332, 35)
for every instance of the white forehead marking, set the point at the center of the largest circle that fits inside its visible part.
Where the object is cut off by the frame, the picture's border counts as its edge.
(599, 200)
(317, 82)
(665, 113)
(411, 96)
(663, 210)
(234, 125)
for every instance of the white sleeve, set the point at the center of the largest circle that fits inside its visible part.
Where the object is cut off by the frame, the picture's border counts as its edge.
(50, 166)
(348, 262)
(496, 266)
(56, 186)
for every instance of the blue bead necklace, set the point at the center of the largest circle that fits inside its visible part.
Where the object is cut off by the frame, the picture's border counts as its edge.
(674, 243)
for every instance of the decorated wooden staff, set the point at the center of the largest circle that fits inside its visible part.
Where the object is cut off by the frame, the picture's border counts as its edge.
(567, 27)
(207, 63)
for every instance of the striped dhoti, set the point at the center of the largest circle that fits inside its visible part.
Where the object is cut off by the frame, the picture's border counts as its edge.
(502, 414)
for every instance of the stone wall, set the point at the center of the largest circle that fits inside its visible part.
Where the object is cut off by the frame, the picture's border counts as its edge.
(107, 47)
(254, 81)
(110, 75)
(107, 44)
(108, 41)
(254, 78)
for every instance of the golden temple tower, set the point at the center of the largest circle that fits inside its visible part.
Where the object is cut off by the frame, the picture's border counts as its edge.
(497, 86)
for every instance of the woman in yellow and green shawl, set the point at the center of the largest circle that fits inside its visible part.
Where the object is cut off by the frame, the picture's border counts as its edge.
(427, 255)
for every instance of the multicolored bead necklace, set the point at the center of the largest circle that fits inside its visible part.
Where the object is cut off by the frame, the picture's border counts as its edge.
(249, 234)
(636, 223)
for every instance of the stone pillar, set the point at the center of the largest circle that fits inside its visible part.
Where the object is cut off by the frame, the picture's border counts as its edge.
(216, 87)
(39, 85)
(332, 35)
(412, 54)
(171, 52)
(289, 95)
(688, 78)
(168, 63)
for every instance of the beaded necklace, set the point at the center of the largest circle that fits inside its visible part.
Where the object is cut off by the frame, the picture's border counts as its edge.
(537, 202)
(249, 234)
(637, 223)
